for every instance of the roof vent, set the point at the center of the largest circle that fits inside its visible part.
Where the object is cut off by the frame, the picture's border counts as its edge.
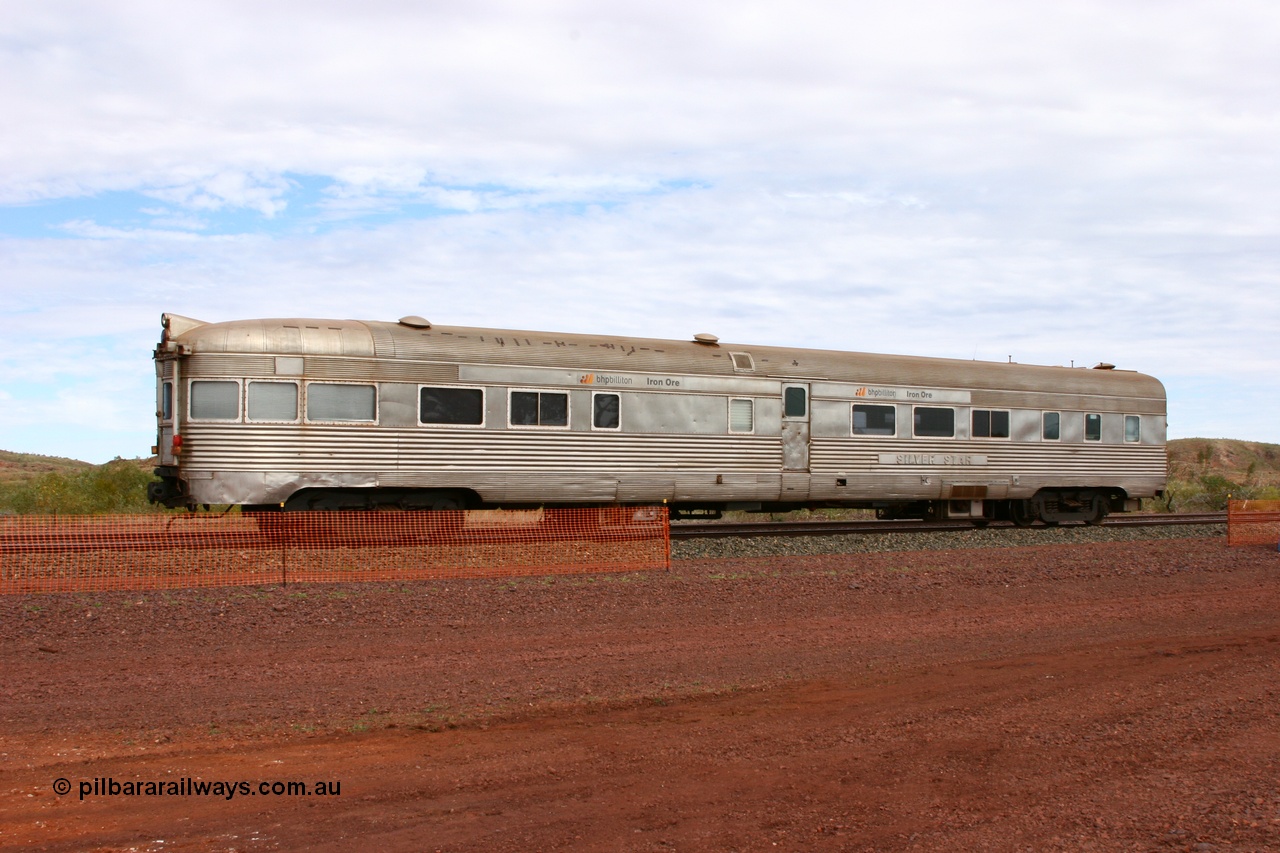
(706, 338)
(1102, 365)
(413, 321)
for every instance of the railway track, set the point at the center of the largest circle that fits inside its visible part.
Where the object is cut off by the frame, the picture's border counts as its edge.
(707, 529)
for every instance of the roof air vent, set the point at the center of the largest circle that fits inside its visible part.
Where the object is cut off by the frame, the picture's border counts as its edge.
(413, 321)
(706, 338)
(1102, 365)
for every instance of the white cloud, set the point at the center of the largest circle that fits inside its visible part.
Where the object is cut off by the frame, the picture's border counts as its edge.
(1080, 182)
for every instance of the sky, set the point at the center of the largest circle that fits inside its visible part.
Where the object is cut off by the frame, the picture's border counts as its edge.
(1052, 183)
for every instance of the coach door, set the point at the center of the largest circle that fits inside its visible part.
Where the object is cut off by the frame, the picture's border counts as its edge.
(795, 426)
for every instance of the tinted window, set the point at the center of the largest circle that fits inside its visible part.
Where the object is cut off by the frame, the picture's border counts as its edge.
(166, 401)
(1132, 428)
(341, 402)
(1052, 426)
(934, 423)
(874, 420)
(273, 401)
(794, 404)
(215, 401)
(988, 424)
(539, 408)
(451, 406)
(741, 416)
(605, 411)
(1093, 427)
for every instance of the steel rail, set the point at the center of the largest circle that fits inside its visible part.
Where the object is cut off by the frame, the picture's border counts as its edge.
(707, 529)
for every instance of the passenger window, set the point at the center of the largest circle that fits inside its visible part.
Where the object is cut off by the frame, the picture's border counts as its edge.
(934, 423)
(454, 406)
(1052, 426)
(273, 401)
(990, 424)
(605, 411)
(794, 404)
(327, 402)
(539, 408)
(874, 420)
(741, 416)
(1093, 427)
(1132, 428)
(215, 400)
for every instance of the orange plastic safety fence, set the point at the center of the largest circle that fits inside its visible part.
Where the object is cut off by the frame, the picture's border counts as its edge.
(90, 553)
(1253, 523)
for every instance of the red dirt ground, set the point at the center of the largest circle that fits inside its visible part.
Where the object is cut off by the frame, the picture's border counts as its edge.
(1105, 697)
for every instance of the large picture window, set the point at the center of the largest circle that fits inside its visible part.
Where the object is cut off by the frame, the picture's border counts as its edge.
(455, 406)
(930, 422)
(326, 402)
(874, 420)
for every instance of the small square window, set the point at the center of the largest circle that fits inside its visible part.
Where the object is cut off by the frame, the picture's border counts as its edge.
(741, 416)
(273, 401)
(539, 408)
(988, 424)
(1132, 428)
(606, 411)
(215, 400)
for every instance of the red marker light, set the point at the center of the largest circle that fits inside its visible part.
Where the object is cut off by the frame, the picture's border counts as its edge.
(177, 444)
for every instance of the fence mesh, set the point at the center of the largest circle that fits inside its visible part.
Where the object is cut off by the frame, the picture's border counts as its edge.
(91, 553)
(1253, 522)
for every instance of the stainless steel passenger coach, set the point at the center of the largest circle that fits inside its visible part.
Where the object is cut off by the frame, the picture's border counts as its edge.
(341, 414)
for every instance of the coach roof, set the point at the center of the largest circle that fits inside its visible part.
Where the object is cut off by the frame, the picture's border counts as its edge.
(453, 344)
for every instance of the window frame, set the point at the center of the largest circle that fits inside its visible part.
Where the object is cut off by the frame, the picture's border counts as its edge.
(750, 401)
(192, 417)
(484, 412)
(594, 426)
(853, 412)
(297, 401)
(568, 408)
(951, 409)
(306, 405)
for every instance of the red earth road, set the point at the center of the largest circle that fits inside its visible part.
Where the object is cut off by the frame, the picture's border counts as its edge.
(1117, 696)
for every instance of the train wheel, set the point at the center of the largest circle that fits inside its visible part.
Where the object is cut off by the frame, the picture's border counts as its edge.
(1022, 513)
(1097, 513)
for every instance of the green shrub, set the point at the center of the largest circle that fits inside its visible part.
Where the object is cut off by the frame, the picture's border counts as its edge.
(120, 486)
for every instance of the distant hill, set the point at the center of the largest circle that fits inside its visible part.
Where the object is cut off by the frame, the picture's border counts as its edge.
(20, 467)
(1249, 463)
